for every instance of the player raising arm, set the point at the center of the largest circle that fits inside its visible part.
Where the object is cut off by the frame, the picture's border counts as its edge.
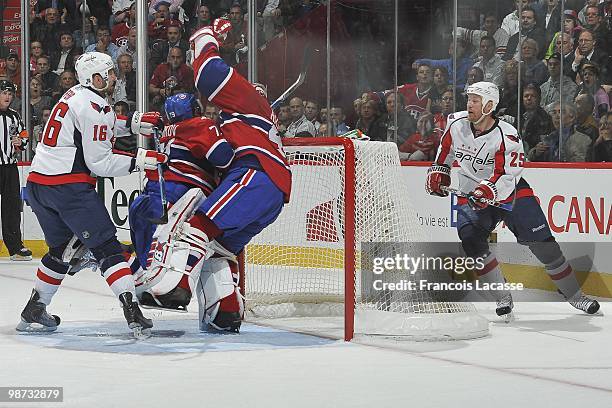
(76, 147)
(490, 157)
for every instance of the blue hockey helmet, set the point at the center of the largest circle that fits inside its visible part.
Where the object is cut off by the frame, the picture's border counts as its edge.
(181, 106)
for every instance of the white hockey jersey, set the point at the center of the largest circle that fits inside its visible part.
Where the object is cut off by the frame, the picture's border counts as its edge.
(77, 142)
(494, 158)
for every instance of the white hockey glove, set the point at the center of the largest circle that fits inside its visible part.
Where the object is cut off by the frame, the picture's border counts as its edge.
(148, 159)
(144, 122)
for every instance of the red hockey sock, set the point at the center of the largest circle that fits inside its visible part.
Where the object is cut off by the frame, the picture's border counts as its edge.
(203, 223)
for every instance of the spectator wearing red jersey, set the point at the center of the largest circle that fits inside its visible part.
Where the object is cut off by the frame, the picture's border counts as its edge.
(124, 20)
(171, 77)
(416, 95)
(422, 145)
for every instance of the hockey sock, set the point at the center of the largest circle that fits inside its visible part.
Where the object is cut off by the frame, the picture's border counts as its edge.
(491, 273)
(205, 224)
(118, 275)
(49, 277)
(563, 276)
(134, 264)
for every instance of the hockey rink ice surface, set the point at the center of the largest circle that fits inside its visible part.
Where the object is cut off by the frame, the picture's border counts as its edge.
(551, 356)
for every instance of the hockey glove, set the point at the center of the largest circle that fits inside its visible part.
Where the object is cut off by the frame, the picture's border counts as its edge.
(482, 191)
(148, 159)
(209, 36)
(438, 175)
(144, 122)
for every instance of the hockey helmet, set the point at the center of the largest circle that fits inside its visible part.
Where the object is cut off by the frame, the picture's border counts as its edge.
(181, 106)
(488, 91)
(91, 63)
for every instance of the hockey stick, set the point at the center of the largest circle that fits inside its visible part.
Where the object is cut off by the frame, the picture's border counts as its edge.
(163, 219)
(299, 81)
(458, 193)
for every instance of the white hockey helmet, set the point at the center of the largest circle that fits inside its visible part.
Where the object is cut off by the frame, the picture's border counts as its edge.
(91, 63)
(488, 91)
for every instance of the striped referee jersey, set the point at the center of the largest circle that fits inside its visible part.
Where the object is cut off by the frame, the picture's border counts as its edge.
(11, 125)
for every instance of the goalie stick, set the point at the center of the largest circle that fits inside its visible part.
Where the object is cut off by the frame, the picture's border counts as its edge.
(163, 219)
(299, 81)
(458, 193)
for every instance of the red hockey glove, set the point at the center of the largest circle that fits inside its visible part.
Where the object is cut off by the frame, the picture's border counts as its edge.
(481, 191)
(438, 176)
(143, 123)
(148, 159)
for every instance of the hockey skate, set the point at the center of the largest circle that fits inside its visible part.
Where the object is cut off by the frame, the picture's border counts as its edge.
(504, 308)
(226, 322)
(174, 301)
(140, 325)
(34, 317)
(584, 303)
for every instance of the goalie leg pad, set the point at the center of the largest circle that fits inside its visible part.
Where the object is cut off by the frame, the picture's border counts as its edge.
(217, 282)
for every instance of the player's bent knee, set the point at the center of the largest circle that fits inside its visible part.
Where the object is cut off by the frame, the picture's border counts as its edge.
(548, 252)
(108, 253)
(474, 240)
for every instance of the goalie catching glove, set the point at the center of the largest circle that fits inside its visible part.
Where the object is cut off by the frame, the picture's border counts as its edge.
(438, 175)
(209, 35)
(148, 159)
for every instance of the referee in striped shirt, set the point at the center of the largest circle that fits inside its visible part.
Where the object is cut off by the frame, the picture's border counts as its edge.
(13, 138)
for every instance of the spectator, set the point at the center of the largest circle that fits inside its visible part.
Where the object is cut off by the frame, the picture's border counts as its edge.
(448, 107)
(591, 85)
(47, 32)
(536, 123)
(491, 28)
(508, 104)
(322, 132)
(464, 63)
(204, 18)
(594, 22)
(533, 69)
(565, 47)
(574, 146)
(104, 44)
(585, 122)
(300, 125)
(157, 27)
(271, 16)
(440, 84)
(160, 48)
(284, 118)
(171, 77)
(86, 36)
(173, 6)
(368, 121)
(416, 95)
(66, 81)
(406, 125)
(511, 22)
(129, 47)
(489, 62)
(311, 110)
(38, 101)
(571, 28)
(38, 128)
(553, 17)
(211, 112)
(125, 19)
(337, 117)
(36, 51)
(589, 51)
(602, 149)
(233, 48)
(529, 29)
(125, 85)
(49, 80)
(13, 71)
(121, 108)
(422, 145)
(474, 75)
(582, 13)
(64, 57)
(551, 89)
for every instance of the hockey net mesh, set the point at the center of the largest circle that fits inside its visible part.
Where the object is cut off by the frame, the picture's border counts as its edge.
(295, 267)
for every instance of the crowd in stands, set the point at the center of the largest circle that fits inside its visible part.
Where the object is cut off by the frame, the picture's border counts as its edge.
(520, 52)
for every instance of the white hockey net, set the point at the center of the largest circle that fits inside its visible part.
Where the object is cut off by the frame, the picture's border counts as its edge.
(307, 263)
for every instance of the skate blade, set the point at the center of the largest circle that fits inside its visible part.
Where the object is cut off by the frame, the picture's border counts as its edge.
(165, 309)
(26, 327)
(214, 329)
(140, 333)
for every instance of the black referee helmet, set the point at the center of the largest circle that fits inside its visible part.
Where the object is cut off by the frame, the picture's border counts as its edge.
(7, 86)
